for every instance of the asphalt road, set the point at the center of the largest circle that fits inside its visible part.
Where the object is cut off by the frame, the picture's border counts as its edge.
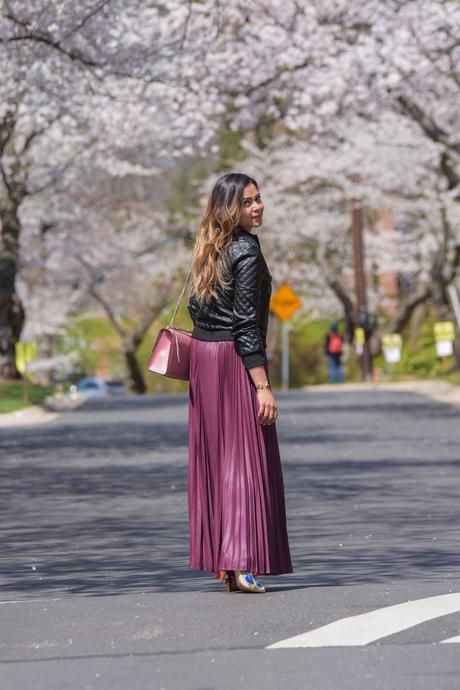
(95, 590)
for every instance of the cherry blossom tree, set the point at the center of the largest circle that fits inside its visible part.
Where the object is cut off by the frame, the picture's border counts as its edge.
(322, 74)
(96, 83)
(129, 263)
(129, 87)
(386, 164)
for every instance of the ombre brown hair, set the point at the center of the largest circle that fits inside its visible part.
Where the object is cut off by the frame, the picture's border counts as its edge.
(215, 234)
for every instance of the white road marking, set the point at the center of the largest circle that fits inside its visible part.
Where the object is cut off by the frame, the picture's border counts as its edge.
(451, 639)
(373, 625)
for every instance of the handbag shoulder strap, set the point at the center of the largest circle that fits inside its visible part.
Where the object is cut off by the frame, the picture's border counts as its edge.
(180, 299)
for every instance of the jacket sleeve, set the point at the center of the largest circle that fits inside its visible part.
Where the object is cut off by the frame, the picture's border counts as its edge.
(192, 308)
(247, 285)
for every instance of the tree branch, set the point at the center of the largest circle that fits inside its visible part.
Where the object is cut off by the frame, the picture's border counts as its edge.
(36, 133)
(427, 123)
(47, 40)
(339, 290)
(109, 311)
(92, 13)
(7, 126)
(448, 170)
(402, 318)
(151, 314)
(269, 80)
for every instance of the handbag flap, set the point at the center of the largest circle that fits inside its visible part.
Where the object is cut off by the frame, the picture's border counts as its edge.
(159, 359)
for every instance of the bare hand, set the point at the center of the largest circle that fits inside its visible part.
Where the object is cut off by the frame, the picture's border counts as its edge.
(268, 407)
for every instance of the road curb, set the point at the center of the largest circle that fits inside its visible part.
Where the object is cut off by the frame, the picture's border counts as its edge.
(441, 391)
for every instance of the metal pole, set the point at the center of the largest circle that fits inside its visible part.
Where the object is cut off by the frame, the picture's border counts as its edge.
(452, 290)
(25, 384)
(360, 281)
(285, 356)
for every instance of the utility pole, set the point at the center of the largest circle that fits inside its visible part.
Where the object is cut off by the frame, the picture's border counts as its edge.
(360, 284)
(453, 294)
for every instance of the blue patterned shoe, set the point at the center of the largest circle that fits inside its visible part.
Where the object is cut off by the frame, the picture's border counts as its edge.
(246, 583)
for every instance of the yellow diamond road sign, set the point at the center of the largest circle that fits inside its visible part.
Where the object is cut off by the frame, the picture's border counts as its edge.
(285, 302)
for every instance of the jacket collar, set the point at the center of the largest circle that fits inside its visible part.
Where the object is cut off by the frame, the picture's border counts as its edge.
(239, 231)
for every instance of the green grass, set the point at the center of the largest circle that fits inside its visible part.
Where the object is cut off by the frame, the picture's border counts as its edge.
(12, 396)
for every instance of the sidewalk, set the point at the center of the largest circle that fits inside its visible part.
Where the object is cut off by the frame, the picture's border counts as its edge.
(39, 414)
(26, 417)
(441, 391)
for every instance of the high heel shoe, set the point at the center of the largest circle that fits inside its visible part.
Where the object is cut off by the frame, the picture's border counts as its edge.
(246, 582)
(229, 580)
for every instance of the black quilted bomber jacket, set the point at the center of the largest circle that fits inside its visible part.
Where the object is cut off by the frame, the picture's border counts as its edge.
(241, 313)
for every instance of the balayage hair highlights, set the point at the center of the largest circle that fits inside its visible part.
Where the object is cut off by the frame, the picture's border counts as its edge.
(215, 234)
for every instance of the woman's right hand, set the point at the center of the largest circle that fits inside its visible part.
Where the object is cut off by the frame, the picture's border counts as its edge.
(268, 407)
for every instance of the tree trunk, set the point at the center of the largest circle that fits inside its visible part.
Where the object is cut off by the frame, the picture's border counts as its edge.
(402, 317)
(443, 312)
(329, 270)
(11, 309)
(347, 305)
(441, 275)
(407, 308)
(136, 379)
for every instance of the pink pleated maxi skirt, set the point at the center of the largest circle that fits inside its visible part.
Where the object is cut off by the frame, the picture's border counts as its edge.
(236, 500)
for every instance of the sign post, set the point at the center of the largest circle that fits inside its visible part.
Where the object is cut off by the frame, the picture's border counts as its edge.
(285, 355)
(26, 352)
(444, 335)
(360, 339)
(284, 303)
(391, 345)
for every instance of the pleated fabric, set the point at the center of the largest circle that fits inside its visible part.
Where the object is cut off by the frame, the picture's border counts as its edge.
(236, 499)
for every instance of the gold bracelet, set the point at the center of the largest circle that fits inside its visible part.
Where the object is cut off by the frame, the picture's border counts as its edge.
(261, 386)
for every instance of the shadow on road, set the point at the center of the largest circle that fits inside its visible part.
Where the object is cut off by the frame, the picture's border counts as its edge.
(96, 503)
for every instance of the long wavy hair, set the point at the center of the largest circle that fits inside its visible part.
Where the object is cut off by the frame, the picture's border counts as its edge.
(209, 265)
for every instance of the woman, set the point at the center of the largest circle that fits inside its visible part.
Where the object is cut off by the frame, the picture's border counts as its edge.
(236, 495)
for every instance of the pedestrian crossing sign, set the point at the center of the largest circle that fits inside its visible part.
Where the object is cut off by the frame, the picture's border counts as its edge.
(285, 302)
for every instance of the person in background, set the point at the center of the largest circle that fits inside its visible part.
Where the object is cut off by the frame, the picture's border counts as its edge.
(333, 347)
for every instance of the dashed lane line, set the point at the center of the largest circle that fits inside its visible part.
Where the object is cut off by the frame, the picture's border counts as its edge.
(374, 625)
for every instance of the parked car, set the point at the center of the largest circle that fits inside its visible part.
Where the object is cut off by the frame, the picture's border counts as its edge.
(115, 387)
(94, 387)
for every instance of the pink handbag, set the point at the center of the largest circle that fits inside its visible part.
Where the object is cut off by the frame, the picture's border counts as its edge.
(171, 351)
